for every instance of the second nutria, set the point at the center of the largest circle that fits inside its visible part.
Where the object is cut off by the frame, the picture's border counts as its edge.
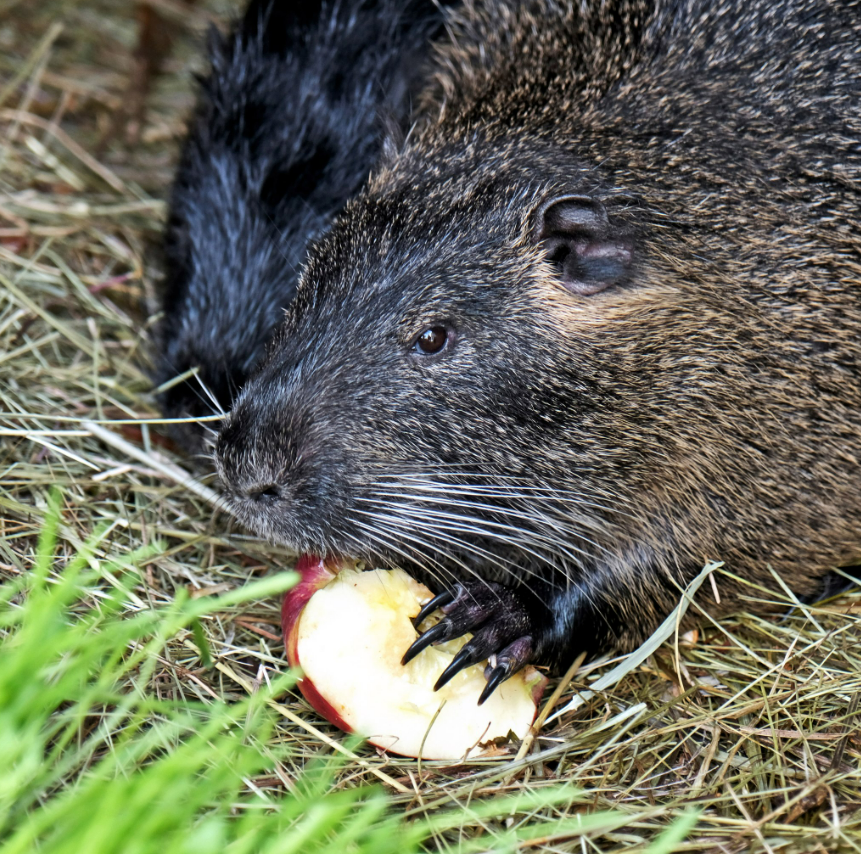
(287, 127)
(597, 322)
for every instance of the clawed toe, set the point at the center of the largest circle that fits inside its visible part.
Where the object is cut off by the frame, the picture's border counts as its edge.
(507, 663)
(500, 624)
(435, 634)
(428, 608)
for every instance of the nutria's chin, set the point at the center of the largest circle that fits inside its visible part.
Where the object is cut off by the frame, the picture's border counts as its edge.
(596, 323)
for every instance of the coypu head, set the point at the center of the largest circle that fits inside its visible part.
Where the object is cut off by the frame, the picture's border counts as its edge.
(427, 352)
(422, 353)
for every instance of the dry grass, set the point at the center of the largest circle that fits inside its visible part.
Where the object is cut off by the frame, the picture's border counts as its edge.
(751, 722)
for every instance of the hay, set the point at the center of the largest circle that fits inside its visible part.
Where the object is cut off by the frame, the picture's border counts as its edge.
(752, 722)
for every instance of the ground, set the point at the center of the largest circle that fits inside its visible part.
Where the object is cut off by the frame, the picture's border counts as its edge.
(748, 722)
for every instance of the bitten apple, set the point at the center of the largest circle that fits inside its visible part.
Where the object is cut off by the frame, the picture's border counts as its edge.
(348, 629)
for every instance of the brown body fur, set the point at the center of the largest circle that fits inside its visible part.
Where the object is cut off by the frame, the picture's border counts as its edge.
(705, 407)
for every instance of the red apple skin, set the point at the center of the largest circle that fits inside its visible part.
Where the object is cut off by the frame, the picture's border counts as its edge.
(314, 573)
(538, 691)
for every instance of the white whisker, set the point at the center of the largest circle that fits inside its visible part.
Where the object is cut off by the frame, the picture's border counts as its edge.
(399, 531)
(210, 395)
(539, 519)
(449, 522)
(377, 534)
(444, 533)
(497, 490)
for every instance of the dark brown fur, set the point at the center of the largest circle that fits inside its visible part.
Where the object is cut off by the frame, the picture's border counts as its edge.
(704, 405)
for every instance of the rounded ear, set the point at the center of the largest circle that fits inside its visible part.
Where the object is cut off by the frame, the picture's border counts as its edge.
(587, 251)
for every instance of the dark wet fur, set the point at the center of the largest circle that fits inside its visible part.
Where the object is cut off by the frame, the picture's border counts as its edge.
(288, 125)
(640, 224)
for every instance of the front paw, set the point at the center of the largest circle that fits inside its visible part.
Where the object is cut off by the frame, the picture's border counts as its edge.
(501, 627)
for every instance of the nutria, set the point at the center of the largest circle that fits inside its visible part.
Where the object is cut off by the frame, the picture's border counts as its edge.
(287, 127)
(595, 323)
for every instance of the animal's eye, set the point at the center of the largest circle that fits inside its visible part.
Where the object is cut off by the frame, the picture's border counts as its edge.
(432, 340)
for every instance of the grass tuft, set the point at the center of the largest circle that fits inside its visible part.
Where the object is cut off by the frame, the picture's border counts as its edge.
(96, 763)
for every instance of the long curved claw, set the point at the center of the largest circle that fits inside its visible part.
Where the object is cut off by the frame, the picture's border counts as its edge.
(437, 633)
(463, 659)
(501, 624)
(508, 662)
(498, 675)
(438, 601)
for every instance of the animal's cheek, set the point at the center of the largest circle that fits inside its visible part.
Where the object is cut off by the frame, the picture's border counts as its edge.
(642, 308)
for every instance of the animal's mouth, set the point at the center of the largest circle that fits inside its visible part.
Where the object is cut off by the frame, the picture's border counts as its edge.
(443, 528)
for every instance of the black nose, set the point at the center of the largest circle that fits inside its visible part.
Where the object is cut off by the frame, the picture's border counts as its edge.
(265, 494)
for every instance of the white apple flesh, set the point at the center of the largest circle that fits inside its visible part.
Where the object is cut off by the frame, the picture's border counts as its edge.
(347, 630)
